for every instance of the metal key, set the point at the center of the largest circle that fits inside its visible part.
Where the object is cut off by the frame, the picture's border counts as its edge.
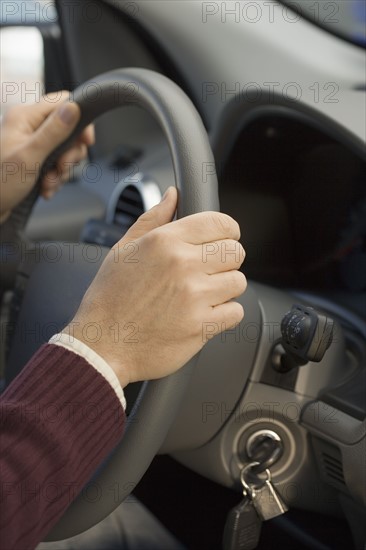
(266, 500)
(243, 524)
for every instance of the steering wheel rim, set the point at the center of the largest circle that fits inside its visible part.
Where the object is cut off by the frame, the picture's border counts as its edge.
(196, 181)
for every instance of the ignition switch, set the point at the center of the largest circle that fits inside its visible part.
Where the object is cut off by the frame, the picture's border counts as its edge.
(265, 447)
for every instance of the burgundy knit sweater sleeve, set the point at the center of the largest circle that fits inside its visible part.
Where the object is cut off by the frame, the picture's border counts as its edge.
(58, 420)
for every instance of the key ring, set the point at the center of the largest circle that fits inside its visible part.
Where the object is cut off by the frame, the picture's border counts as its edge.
(251, 490)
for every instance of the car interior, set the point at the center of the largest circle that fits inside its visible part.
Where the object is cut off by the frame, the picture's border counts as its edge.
(280, 89)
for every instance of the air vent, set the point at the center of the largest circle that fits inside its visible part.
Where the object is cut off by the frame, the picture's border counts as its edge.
(129, 207)
(332, 466)
(130, 200)
(330, 463)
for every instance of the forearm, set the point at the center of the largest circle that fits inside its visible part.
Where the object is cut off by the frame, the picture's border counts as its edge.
(59, 419)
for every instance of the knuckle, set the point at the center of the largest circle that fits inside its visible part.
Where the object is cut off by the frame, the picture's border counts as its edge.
(165, 247)
(222, 222)
(186, 287)
(227, 225)
(154, 239)
(210, 251)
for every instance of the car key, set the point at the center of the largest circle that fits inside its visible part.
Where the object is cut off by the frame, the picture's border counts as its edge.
(267, 502)
(243, 527)
(243, 524)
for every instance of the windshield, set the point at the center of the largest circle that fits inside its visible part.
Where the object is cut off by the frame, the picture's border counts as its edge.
(346, 18)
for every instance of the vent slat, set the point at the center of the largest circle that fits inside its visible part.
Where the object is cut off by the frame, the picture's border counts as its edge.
(336, 478)
(332, 458)
(131, 193)
(129, 206)
(123, 219)
(335, 472)
(333, 468)
(333, 464)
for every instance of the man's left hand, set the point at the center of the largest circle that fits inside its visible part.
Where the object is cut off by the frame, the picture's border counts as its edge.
(29, 133)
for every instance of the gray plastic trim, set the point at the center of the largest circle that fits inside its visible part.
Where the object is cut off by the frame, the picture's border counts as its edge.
(323, 419)
(347, 434)
(263, 406)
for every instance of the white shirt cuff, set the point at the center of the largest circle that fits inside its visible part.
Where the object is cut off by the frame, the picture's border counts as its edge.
(73, 344)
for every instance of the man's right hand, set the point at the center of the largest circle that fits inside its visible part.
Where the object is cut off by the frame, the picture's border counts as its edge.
(146, 309)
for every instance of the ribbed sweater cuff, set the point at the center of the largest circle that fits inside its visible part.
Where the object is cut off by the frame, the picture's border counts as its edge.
(73, 344)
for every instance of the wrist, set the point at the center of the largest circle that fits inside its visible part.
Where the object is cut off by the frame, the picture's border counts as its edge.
(102, 346)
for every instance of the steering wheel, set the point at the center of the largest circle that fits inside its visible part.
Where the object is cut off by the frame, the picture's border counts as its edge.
(159, 400)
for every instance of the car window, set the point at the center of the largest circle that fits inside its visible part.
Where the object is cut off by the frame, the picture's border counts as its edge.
(344, 17)
(21, 50)
(21, 66)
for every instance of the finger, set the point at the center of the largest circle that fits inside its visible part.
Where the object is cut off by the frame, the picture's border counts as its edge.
(205, 227)
(220, 256)
(54, 130)
(51, 183)
(159, 215)
(225, 316)
(223, 287)
(87, 136)
(63, 171)
(53, 180)
(47, 195)
(67, 162)
(34, 114)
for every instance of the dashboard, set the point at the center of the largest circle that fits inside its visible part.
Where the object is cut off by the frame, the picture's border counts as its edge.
(285, 108)
(289, 150)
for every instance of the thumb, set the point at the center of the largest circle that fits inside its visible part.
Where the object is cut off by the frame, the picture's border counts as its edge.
(55, 129)
(159, 215)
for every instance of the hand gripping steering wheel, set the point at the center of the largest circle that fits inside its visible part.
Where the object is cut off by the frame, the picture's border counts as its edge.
(159, 400)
